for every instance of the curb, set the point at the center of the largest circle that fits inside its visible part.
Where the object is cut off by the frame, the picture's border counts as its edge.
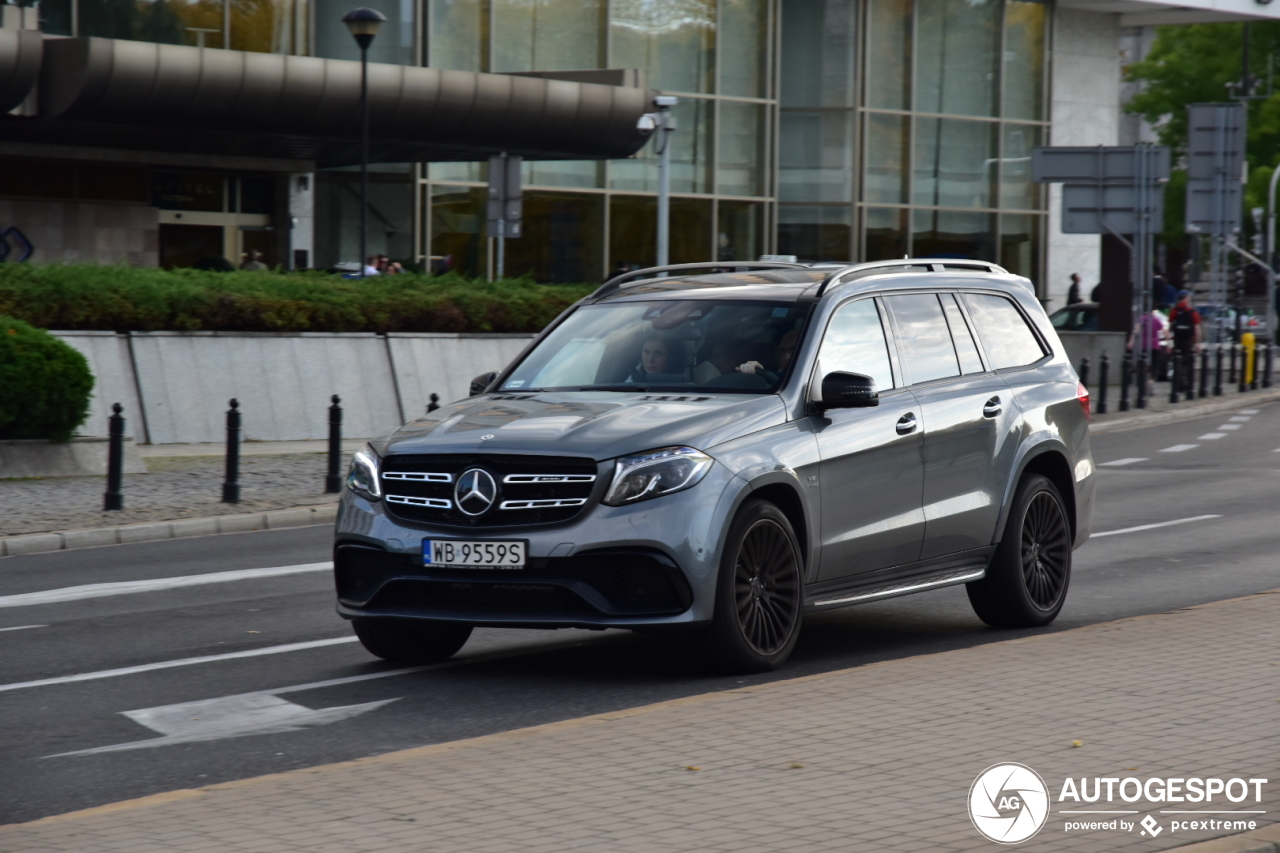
(1249, 398)
(66, 540)
(1265, 840)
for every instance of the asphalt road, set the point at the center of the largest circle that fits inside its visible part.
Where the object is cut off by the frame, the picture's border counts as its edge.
(313, 702)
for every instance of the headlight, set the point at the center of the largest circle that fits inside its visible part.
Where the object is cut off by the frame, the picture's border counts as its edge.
(363, 476)
(657, 472)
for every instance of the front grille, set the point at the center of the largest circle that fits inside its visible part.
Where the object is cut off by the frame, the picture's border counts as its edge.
(530, 489)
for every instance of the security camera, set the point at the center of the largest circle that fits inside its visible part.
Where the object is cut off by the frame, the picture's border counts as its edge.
(647, 123)
(662, 101)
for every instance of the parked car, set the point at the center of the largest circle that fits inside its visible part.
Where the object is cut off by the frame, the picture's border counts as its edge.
(724, 454)
(1080, 317)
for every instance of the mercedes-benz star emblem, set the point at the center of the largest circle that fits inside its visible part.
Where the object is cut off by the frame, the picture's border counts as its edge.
(476, 491)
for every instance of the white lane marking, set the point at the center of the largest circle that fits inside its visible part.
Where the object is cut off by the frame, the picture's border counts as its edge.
(101, 590)
(1212, 436)
(226, 717)
(1116, 463)
(1239, 420)
(1249, 411)
(169, 664)
(1229, 426)
(23, 627)
(1179, 448)
(1154, 526)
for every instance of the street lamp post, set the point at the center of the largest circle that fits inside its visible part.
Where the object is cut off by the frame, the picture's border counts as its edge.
(666, 125)
(364, 24)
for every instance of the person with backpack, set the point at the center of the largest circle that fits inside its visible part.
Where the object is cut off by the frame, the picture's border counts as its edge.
(1184, 321)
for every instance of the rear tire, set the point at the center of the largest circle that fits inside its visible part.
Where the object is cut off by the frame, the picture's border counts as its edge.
(1026, 583)
(759, 593)
(411, 640)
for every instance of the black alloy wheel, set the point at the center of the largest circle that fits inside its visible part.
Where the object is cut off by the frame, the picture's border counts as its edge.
(1026, 583)
(760, 593)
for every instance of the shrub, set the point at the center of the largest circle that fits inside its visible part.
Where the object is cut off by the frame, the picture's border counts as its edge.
(44, 384)
(132, 299)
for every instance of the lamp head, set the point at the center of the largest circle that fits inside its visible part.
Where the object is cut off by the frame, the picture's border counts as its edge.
(364, 24)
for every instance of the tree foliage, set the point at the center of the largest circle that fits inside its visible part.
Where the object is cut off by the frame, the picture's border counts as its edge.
(46, 384)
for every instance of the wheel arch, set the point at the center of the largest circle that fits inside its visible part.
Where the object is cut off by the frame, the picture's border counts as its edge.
(1050, 461)
(786, 497)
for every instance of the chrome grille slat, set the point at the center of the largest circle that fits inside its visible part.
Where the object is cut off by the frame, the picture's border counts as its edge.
(549, 478)
(421, 477)
(545, 503)
(410, 500)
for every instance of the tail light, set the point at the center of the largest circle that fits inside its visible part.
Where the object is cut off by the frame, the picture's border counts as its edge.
(1082, 397)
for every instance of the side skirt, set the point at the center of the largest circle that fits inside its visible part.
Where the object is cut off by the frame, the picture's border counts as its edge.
(934, 574)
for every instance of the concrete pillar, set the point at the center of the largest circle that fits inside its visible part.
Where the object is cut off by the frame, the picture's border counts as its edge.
(302, 220)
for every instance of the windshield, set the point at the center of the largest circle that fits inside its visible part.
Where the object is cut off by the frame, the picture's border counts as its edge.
(737, 346)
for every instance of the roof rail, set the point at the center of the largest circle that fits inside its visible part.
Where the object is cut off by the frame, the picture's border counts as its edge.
(617, 281)
(855, 271)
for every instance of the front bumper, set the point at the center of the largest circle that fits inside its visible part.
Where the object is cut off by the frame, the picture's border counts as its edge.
(647, 565)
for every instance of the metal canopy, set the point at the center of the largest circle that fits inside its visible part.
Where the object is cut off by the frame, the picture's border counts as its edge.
(123, 94)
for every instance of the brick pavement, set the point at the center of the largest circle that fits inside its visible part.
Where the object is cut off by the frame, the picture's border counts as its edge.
(879, 757)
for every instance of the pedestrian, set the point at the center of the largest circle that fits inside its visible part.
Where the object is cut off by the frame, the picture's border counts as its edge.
(1185, 322)
(253, 262)
(371, 266)
(1149, 334)
(1073, 292)
(1162, 292)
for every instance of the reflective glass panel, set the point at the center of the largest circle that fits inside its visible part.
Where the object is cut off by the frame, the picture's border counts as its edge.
(854, 343)
(469, 171)
(690, 154)
(815, 232)
(953, 234)
(457, 230)
(1016, 187)
(970, 362)
(885, 233)
(1020, 244)
(633, 232)
(815, 155)
(887, 155)
(924, 344)
(742, 160)
(958, 48)
(690, 230)
(563, 238)
(160, 22)
(266, 26)
(673, 42)
(741, 231)
(889, 54)
(744, 31)
(547, 35)
(955, 163)
(459, 35)
(393, 44)
(563, 173)
(1005, 335)
(818, 53)
(55, 17)
(1024, 59)
(337, 209)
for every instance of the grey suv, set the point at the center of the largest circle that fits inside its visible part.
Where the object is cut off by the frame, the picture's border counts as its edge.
(726, 452)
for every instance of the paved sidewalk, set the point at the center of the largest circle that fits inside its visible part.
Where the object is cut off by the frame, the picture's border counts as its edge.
(880, 757)
(1160, 410)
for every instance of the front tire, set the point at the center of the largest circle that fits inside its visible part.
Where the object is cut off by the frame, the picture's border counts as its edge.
(759, 593)
(1026, 583)
(411, 640)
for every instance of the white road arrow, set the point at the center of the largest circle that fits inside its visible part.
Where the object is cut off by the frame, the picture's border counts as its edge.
(228, 716)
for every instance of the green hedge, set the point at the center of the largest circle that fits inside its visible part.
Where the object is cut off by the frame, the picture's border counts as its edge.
(45, 384)
(133, 299)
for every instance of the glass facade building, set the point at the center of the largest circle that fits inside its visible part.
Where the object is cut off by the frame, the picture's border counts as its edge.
(840, 130)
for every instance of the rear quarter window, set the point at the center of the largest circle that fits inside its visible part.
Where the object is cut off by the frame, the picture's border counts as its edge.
(1005, 335)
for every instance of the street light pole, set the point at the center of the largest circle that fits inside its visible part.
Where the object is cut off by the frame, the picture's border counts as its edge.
(1270, 257)
(666, 126)
(364, 24)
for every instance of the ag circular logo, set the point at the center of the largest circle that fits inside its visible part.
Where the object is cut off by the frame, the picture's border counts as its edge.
(1008, 803)
(476, 491)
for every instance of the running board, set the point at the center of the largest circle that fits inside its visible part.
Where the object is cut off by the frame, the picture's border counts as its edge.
(904, 588)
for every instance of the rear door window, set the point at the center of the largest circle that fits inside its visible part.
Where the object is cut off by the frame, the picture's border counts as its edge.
(961, 336)
(924, 342)
(1006, 337)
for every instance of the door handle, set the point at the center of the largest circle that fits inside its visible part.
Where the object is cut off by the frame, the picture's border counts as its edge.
(992, 408)
(907, 423)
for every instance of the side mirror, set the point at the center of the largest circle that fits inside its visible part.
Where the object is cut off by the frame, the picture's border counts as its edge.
(481, 382)
(848, 391)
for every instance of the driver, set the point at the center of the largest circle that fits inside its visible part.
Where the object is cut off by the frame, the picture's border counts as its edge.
(783, 354)
(655, 354)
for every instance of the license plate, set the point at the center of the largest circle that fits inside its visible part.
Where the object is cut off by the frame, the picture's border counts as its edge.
(473, 554)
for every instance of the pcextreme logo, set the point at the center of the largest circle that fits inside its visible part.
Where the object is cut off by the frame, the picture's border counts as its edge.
(1008, 803)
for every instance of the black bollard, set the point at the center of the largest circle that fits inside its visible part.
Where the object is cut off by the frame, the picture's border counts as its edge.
(1231, 374)
(1255, 360)
(1241, 384)
(1217, 372)
(1126, 376)
(1084, 371)
(434, 404)
(1204, 371)
(112, 498)
(1142, 381)
(333, 480)
(1175, 381)
(231, 486)
(1266, 376)
(1104, 371)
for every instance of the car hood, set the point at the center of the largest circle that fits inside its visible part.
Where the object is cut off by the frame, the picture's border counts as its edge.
(598, 424)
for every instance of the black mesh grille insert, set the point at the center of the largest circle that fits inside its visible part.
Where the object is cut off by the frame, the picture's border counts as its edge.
(460, 598)
(547, 489)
